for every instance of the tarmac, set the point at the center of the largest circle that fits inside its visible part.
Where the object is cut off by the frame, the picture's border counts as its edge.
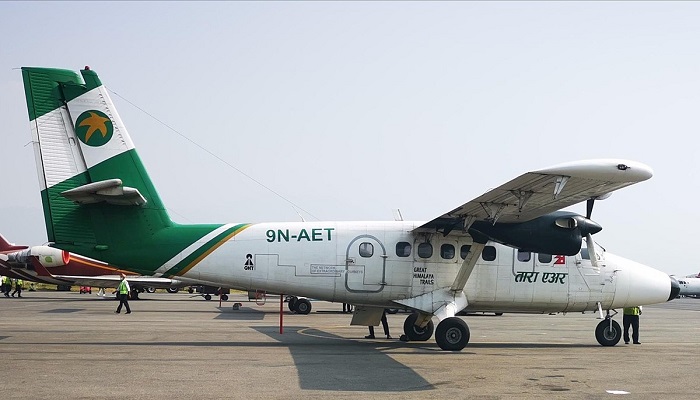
(69, 345)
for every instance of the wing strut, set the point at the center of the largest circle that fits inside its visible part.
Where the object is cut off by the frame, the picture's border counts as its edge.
(467, 267)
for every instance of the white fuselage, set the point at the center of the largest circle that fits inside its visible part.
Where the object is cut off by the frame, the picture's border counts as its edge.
(380, 263)
(689, 286)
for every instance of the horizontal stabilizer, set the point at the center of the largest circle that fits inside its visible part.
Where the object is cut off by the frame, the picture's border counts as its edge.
(110, 191)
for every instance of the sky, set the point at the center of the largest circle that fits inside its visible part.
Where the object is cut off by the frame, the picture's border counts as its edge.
(274, 111)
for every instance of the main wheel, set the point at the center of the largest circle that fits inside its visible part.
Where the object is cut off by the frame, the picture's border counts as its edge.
(417, 333)
(224, 297)
(207, 297)
(608, 332)
(150, 289)
(452, 334)
(302, 306)
(292, 303)
(173, 290)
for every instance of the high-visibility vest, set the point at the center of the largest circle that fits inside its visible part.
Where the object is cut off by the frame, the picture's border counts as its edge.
(631, 311)
(19, 283)
(5, 280)
(123, 288)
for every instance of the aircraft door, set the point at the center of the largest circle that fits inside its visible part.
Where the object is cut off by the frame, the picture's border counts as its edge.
(365, 265)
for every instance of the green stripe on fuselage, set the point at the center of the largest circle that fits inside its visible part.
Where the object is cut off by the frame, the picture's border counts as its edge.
(207, 248)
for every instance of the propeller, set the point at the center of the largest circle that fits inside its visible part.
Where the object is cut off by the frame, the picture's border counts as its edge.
(589, 235)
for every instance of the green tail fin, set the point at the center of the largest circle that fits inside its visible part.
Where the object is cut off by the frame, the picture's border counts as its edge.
(97, 196)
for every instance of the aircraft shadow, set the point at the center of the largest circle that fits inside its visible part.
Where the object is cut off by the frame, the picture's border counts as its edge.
(329, 362)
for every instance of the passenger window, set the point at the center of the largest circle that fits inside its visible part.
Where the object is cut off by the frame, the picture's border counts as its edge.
(464, 250)
(489, 253)
(544, 258)
(403, 249)
(425, 250)
(447, 251)
(523, 256)
(366, 249)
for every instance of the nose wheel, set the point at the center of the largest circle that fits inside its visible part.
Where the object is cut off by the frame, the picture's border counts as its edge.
(608, 332)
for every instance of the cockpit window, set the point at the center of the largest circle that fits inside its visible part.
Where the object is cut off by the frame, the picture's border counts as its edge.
(544, 258)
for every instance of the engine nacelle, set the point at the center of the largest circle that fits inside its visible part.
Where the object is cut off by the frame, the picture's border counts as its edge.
(560, 232)
(47, 256)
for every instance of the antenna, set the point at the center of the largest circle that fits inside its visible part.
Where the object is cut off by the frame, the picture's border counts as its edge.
(397, 215)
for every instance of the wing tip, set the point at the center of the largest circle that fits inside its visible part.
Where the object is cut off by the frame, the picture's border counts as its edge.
(613, 169)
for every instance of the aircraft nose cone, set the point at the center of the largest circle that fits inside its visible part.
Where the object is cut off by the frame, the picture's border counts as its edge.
(675, 289)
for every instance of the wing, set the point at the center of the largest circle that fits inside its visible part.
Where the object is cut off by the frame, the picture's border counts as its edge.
(108, 280)
(537, 193)
(113, 281)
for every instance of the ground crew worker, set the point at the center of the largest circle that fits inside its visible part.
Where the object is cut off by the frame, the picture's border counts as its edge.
(18, 288)
(631, 317)
(385, 325)
(6, 286)
(123, 292)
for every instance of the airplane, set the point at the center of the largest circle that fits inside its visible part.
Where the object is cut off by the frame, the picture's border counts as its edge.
(50, 265)
(690, 285)
(511, 249)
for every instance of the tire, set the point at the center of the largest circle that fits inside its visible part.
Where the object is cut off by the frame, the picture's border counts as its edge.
(392, 310)
(302, 306)
(415, 333)
(207, 297)
(190, 290)
(292, 303)
(172, 290)
(150, 289)
(452, 334)
(607, 335)
(224, 297)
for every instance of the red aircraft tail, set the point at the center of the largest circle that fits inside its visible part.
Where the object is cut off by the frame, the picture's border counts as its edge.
(7, 246)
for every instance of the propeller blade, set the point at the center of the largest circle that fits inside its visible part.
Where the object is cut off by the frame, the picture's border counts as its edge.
(591, 250)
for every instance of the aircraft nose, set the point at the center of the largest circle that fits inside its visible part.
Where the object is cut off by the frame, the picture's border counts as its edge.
(675, 288)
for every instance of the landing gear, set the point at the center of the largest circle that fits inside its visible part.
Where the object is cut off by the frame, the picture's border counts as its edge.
(150, 289)
(299, 305)
(172, 290)
(414, 332)
(302, 306)
(608, 332)
(452, 334)
(292, 302)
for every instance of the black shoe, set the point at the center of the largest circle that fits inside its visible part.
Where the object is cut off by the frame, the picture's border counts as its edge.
(388, 336)
(117, 312)
(369, 337)
(627, 342)
(637, 342)
(128, 312)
